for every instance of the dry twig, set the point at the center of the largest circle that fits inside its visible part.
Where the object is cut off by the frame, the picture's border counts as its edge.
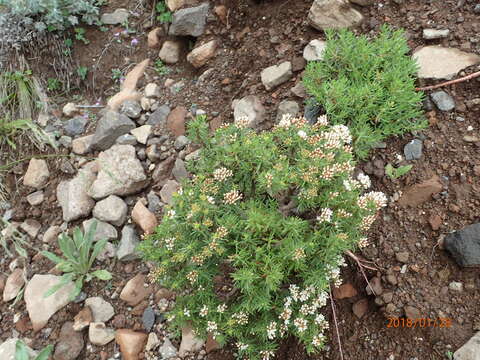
(361, 266)
(332, 304)
(456, 81)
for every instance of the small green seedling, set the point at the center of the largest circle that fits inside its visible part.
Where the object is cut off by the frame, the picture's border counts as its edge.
(449, 355)
(164, 15)
(79, 254)
(117, 74)
(394, 173)
(53, 84)
(21, 352)
(161, 68)
(82, 72)
(80, 35)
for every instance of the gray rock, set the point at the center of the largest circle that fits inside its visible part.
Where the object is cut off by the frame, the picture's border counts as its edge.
(179, 171)
(75, 126)
(109, 128)
(41, 308)
(35, 198)
(148, 318)
(430, 34)
(362, 2)
(99, 334)
(103, 231)
(170, 187)
(287, 107)
(333, 14)
(311, 113)
(437, 62)
(189, 21)
(108, 252)
(120, 173)
(276, 75)
(126, 249)
(112, 210)
(159, 116)
(102, 311)
(142, 133)
(119, 16)
(131, 108)
(31, 227)
(413, 150)
(73, 197)
(167, 350)
(476, 9)
(443, 101)
(127, 139)
(299, 90)
(314, 50)
(154, 202)
(37, 174)
(170, 52)
(249, 107)
(70, 343)
(65, 141)
(181, 142)
(470, 350)
(464, 245)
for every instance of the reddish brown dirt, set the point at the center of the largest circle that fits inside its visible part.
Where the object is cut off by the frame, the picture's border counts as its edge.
(262, 34)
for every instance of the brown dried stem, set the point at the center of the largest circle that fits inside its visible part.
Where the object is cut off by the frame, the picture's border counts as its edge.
(456, 81)
(332, 304)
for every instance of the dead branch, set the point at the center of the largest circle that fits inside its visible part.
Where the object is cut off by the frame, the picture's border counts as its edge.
(456, 81)
(332, 304)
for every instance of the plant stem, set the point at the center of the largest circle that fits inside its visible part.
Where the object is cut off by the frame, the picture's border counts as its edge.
(446, 83)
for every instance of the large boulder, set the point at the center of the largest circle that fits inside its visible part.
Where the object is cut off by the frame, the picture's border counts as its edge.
(120, 173)
(333, 14)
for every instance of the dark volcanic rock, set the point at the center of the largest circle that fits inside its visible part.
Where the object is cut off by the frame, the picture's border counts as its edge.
(464, 245)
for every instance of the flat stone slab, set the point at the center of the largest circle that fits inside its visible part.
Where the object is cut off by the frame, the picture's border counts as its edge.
(437, 62)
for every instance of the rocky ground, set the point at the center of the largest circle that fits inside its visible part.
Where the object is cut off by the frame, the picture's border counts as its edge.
(124, 159)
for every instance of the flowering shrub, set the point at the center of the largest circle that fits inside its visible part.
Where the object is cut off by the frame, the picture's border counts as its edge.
(368, 85)
(252, 242)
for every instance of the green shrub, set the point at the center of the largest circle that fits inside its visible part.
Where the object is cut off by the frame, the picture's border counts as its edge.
(367, 85)
(252, 242)
(54, 14)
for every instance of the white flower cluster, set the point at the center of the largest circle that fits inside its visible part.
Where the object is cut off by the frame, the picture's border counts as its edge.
(351, 184)
(204, 311)
(334, 271)
(337, 137)
(302, 134)
(232, 197)
(322, 120)
(267, 354)
(171, 213)
(242, 122)
(222, 174)
(285, 122)
(271, 330)
(241, 318)
(221, 308)
(241, 346)
(364, 180)
(325, 215)
(211, 200)
(192, 276)
(170, 243)
(377, 197)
